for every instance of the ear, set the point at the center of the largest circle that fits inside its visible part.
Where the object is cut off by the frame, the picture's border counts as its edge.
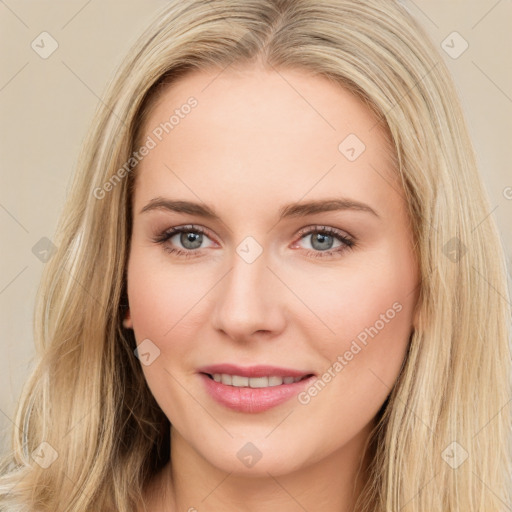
(127, 320)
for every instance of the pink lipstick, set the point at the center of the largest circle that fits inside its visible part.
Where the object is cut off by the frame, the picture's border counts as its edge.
(253, 389)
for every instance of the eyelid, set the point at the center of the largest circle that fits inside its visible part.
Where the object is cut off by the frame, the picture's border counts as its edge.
(174, 230)
(328, 229)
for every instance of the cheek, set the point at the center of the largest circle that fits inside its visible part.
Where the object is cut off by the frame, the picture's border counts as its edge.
(162, 299)
(370, 311)
(366, 297)
(151, 305)
(160, 294)
(368, 306)
(169, 305)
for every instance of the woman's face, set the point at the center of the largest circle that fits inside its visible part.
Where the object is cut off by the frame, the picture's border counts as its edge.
(299, 258)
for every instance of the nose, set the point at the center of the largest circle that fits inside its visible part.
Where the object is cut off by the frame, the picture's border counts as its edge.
(249, 301)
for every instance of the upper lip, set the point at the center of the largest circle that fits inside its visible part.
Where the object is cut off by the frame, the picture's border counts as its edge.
(253, 371)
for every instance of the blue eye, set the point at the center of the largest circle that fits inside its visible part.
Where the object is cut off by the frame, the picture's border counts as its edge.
(324, 241)
(190, 237)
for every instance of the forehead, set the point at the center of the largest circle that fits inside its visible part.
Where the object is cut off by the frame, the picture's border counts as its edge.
(257, 130)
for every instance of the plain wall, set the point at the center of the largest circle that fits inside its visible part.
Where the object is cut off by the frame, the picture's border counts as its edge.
(46, 106)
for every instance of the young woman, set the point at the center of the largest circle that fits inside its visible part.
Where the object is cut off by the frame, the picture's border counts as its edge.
(277, 286)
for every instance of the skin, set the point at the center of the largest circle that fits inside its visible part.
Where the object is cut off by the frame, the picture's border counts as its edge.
(257, 140)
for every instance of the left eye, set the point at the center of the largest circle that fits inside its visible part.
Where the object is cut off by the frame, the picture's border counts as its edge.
(322, 240)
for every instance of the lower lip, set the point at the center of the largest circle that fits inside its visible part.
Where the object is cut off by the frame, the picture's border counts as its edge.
(253, 399)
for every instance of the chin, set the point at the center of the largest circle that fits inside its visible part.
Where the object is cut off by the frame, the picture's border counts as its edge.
(255, 460)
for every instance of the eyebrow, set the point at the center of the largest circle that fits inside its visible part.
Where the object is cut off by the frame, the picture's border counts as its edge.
(298, 209)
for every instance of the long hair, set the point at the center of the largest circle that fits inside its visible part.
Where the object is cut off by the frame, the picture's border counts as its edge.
(89, 433)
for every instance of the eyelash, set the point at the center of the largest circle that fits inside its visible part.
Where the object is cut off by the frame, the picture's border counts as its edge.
(348, 243)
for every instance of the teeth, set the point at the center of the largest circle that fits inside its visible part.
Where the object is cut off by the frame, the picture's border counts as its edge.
(253, 382)
(239, 381)
(258, 382)
(275, 381)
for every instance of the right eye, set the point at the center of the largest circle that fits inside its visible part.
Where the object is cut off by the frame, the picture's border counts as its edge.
(190, 238)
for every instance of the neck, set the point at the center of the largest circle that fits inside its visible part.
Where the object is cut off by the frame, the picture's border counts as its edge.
(189, 482)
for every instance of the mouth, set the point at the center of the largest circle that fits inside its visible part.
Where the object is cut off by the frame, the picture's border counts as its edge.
(240, 381)
(254, 389)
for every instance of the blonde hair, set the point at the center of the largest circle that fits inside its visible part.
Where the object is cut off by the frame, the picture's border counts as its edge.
(88, 399)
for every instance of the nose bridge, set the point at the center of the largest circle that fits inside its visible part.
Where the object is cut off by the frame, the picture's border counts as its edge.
(246, 301)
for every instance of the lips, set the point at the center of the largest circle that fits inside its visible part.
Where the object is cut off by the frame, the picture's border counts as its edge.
(253, 389)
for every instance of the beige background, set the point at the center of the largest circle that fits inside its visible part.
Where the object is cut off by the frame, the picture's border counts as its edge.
(46, 105)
